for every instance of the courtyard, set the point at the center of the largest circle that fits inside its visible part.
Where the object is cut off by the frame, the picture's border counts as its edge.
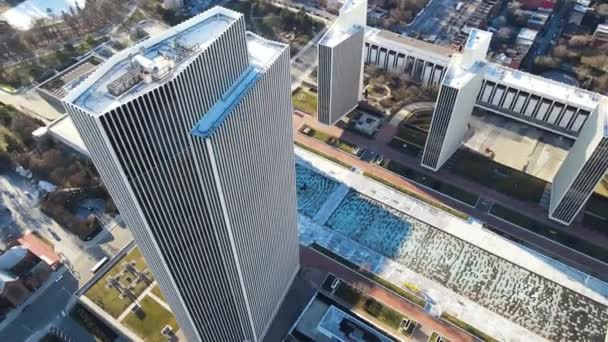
(371, 233)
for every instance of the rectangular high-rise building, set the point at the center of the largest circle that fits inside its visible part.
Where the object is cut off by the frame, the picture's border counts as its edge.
(191, 132)
(340, 68)
(455, 101)
(452, 113)
(584, 167)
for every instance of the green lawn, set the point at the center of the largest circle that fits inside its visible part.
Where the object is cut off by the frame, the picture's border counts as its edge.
(158, 293)
(433, 183)
(156, 317)
(468, 328)
(491, 174)
(364, 304)
(415, 195)
(600, 253)
(602, 187)
(305, 101)
(108, 298)
(328, 157)
(409, 295)
(331, 140)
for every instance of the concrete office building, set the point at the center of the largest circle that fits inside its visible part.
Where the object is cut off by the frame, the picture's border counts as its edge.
(177, 126)
(584, 167)
(340, 68)
(419, 61)
(468, 82)
(455, 101)
(534, 100)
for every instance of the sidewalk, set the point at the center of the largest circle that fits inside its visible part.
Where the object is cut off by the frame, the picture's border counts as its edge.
(565, 254)
(314, 259)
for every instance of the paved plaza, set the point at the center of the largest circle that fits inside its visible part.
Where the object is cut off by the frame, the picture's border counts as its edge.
(499, 287)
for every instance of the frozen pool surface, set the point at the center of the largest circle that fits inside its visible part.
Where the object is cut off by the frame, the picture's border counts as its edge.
(519, 295)
(313, 190)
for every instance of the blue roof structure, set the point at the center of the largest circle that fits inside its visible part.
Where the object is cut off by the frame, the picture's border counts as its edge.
(222, 108)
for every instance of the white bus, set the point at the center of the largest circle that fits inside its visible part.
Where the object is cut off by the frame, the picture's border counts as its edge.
(98, 265)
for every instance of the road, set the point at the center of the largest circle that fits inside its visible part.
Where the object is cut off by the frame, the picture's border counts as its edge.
(44, 310)
(549, 34)
(79, 256)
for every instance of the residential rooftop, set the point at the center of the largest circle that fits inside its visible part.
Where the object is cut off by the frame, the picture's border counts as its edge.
(150, 63)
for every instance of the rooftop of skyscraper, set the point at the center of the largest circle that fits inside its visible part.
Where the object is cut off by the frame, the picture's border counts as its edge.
(151, 62)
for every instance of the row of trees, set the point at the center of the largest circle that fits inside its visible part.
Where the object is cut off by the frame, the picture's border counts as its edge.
(400, 11)
(55, 164)
(68, 25)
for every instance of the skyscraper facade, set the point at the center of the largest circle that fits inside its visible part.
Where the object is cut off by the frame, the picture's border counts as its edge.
(584, 167)
(340, 68)
(455, 101)
(191, 132)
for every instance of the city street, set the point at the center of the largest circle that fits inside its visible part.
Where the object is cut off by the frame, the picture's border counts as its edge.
(79, 257)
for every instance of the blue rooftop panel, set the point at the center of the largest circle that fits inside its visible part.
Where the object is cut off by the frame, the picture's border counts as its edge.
(222, 108)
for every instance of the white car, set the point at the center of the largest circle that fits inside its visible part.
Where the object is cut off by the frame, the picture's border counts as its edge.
(59, 277)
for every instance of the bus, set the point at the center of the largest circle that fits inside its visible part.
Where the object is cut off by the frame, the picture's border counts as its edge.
(100, 264)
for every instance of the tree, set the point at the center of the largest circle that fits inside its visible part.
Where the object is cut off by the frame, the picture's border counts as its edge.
(579, 41)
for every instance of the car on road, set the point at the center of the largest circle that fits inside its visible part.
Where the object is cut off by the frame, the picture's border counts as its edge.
(59, 277)
(25, 308)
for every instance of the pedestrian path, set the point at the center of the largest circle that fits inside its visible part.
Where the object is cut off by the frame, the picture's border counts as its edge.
(331, 204)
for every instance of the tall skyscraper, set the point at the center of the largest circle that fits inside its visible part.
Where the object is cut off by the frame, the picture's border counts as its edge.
(191, 132)
(455, 101)
(584, 167)
(340, 68)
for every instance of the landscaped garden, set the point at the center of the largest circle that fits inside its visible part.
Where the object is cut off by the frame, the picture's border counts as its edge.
(149, 320)
(433, 183)
(336, 142)
(570, 240)
(305, 101)
(371, 308)
(122, 284)
(491, 174)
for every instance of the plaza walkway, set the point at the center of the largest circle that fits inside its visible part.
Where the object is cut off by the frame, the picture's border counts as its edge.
(568, 256)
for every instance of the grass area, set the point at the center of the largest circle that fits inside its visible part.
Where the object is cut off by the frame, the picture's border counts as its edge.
(8, 88)
(326, 156)
(109, 298)
(390, 286)
(304, 101)
(602, 187)
(468, 328)
(155, 318)
(419, 197)
(600, 253)
(92, 324)
(158, 293)
(330, 140)
(433, 183)
(360, 302)
(491, 174)
(435, 336)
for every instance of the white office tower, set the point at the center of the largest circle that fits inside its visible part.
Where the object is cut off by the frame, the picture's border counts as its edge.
(455, 102)
(584, 167)
(191, 132)
(340, 68)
